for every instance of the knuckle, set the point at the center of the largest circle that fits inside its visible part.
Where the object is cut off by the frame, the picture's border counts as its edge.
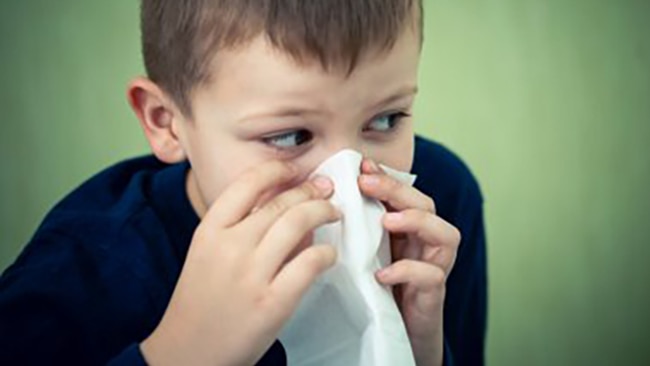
(316, 259)
(390, 183)
(231, 254)
(430, 205)
(295, 196)
(456, 236)
(277, 303)
(422, 223)
(402, 267)
(297, 219)
(312, 213)
(246, 185)
(294, 220)
(419, 215)
(386, 189)
(438, 277)
(276, 206)
(308, 190)
(203, 232)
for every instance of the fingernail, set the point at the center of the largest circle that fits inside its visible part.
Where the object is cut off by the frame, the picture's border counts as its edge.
(323, 183)
(373, 166)
(394, 216)
(370, 180)
(383, 273)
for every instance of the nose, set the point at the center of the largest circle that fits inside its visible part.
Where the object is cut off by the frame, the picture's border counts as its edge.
(325, 151)
(347, 142)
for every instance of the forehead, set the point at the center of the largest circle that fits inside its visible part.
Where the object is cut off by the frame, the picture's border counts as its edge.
(336, 36)
(259, 72)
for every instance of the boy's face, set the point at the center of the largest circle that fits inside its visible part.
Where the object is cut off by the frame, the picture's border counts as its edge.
(261, 105)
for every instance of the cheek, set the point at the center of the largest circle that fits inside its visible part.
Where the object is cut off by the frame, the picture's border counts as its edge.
(397, 155)
(216, 169)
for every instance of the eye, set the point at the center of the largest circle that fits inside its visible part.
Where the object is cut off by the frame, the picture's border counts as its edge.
(289, 139)
(386, 122)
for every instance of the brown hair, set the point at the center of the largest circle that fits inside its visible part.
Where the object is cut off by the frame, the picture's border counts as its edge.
(181, 37)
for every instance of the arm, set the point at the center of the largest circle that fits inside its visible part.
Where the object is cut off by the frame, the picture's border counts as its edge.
(36, 326)
(64, 302)
(58, 307)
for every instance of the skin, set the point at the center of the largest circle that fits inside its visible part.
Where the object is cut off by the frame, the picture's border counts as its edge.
(259, 127)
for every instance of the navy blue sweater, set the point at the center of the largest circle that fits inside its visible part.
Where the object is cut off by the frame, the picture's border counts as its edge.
(98, 274)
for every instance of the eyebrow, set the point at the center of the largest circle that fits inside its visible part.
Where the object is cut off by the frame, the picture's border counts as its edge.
(281, 112)
(402, 93)
(301, 112)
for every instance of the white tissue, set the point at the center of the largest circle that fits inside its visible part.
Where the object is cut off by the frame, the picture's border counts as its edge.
(347, 318)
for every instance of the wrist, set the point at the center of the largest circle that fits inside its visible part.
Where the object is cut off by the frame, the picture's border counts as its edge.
(429, 356)
(164, 347)
(428, 351)
(156, 352)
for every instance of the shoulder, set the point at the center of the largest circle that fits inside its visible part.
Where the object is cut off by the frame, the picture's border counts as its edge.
(119, 186)
(93, 225)
(96, 253)
(446, 178)
(108, 198)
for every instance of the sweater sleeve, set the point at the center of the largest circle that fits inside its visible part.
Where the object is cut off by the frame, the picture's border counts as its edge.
(131, 356)
(58, 307)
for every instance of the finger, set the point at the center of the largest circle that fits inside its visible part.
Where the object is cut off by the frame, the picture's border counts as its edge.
(288, 231)
(240, 197)
(419, 275)
(264, 217)
(422, 285)
(398, 195)
(429, 228)
(441, 237)
(291, 283)
(368, 166)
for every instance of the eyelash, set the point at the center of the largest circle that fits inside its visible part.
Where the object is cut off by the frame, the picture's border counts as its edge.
(305, 136)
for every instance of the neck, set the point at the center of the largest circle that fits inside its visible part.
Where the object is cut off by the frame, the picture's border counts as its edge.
(194, 194)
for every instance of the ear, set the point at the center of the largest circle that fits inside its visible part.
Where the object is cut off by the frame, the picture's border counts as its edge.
(159, 119)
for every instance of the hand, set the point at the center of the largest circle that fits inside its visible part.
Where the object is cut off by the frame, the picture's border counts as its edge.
(424, 249)
(245, 272)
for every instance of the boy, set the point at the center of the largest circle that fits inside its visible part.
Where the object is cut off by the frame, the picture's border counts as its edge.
(199, 255)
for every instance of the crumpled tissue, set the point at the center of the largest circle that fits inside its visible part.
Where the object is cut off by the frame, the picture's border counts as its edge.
(347, 318)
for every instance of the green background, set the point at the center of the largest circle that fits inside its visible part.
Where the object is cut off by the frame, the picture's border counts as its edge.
(547, 101)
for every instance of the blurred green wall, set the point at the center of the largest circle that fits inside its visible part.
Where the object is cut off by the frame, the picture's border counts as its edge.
(548, 102)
